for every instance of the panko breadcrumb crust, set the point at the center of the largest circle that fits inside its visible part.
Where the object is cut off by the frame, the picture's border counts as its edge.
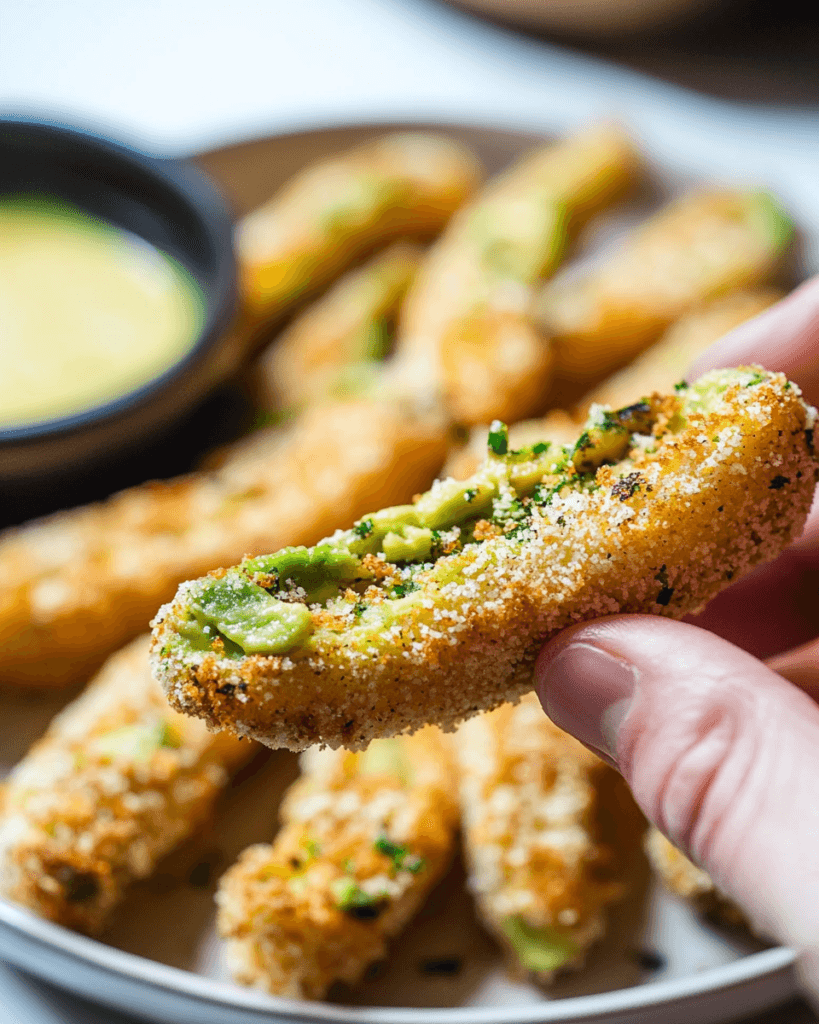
(118, 780)
(729, 491)
(657, 369)
(549, 829)
(76, 586)
(279, 909)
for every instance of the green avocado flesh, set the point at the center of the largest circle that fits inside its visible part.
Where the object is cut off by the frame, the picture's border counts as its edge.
(136, 742)
(386, 757)
(265, 605)
(539, 950)
(770, 220)
(247, 615)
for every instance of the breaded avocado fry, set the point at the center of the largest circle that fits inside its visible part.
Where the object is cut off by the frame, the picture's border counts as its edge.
(336, 211)
(76, 586)
(548, 829)
(664, 364)
(364, 838)
(430, 612)
(468, 321)
(342, 334)
(118, 781)
(700, 246)
(659, 368)
(682, 877)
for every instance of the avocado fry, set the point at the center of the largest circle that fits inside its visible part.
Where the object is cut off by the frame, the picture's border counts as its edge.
(683, 878)
(338, 210)
(659, 368)
(364, 838)
(340, 337)
(118, 781)
(468, 320)
(699, 247)
(430, 612)
(548, 830)
(665, 363)
(78, 585)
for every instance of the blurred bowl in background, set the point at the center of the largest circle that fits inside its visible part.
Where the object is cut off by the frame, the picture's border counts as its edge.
(176, 210)
(590, 18)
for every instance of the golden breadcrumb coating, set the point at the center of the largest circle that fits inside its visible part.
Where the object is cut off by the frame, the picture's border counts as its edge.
(118, 780)
(659, 368)
(665, 363)
(717, 480)
(688, 881)
(468, 321)
(364, 838)
(339, 334)
(548, 829)
(76, 586)
(335, 211)
(557, 427)
(697, 248)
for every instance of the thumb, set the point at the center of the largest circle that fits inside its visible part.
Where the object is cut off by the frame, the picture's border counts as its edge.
(721, 753)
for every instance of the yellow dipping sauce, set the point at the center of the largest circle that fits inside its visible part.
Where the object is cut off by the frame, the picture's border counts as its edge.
(88, 312)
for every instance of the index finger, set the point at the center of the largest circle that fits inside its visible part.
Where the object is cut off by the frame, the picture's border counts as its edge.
(784, 338)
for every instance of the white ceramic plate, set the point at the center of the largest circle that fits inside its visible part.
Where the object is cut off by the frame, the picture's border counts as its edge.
(161, 959)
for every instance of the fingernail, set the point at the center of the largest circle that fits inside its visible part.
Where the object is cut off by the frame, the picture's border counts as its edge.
(587, 692)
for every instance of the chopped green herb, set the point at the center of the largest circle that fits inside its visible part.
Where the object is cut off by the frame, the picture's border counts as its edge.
(756, 379)
(400, 856)
(389, 849)
(364, 529)
(470, 494)
(402, 589)
(681, 386)
(540, 447)
(352, 899)
(543, 495)
(312, 847)
(498, 439)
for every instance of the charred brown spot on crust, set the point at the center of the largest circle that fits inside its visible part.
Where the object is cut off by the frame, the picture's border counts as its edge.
(367, 911)
(78, 886)
(636, 418)
(627, 486)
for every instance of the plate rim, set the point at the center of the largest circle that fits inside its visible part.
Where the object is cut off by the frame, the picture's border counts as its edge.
(751, 967)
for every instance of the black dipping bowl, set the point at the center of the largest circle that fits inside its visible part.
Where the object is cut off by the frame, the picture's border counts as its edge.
(174, 207)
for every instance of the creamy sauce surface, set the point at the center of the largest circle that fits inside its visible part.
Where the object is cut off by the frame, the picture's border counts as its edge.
(88, 312)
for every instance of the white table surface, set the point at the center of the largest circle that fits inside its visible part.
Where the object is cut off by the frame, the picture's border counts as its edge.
(177, 76)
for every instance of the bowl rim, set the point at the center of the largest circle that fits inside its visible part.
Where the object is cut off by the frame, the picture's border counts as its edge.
(186, 182)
